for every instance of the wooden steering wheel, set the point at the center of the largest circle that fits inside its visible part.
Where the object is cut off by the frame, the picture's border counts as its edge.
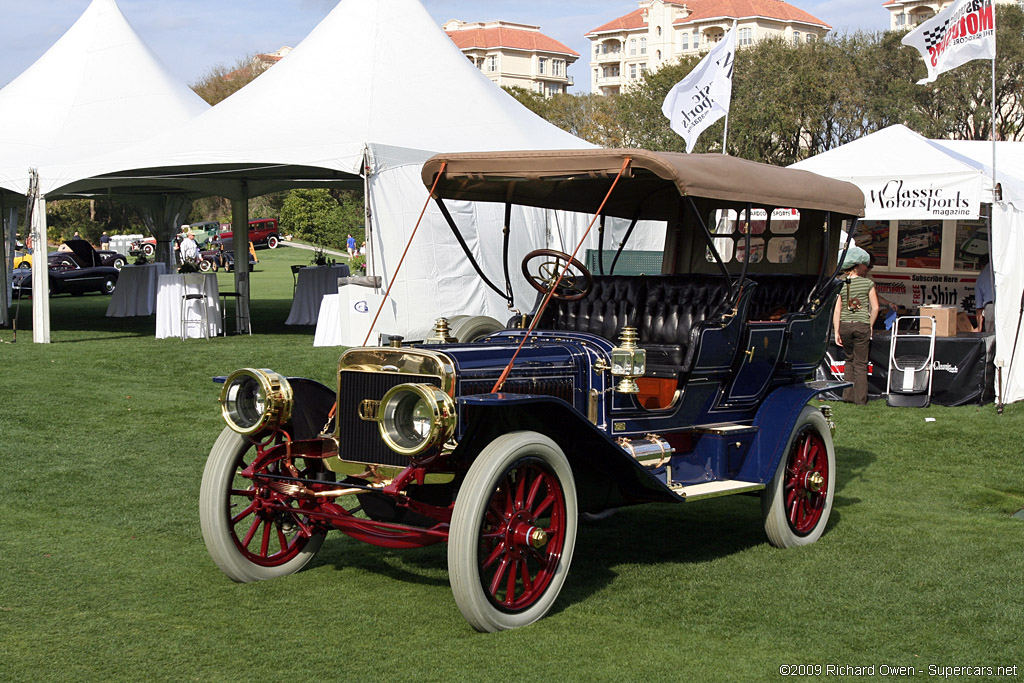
(542, 267)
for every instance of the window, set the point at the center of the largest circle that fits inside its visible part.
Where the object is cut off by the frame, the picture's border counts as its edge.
(554, 89)
(492, 63)
(901, 19)
(811, 38)
(632, 71)
(657, 55)
(556, 67)
(597, 50)
(684, 41)
(540, 65)
(796, 37)
(643, 69)
(632, 46)
(643, 46)
(746, 36)
(657, 30)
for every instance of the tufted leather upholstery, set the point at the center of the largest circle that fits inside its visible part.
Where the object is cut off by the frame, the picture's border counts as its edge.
(777, 295)
(612, 303)
(665, 309)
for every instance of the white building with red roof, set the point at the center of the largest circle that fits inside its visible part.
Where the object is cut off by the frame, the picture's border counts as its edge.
(904, 14)
(660, 32)
(513, 54)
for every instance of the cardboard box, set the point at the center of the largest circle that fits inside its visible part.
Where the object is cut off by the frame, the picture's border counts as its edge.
(945, 320)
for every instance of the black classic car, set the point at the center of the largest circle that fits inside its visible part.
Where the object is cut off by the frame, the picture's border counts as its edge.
(75, 270)
(611, 390)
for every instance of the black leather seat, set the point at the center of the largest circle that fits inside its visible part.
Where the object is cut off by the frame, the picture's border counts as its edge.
(664, 309)
(613, 302)
(779, 295)
(675, 305)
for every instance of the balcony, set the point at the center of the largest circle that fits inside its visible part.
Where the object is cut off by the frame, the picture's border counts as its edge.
(615, 56)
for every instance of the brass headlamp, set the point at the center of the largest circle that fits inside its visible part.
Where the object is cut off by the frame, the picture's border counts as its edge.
(253, 401)
(413, 418)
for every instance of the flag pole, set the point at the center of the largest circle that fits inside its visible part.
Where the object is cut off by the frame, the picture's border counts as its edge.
(725, 133)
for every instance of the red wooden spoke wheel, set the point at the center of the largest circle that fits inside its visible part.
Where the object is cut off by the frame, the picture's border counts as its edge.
(806, 482)
(513, 531)
(255, 528)
(522, 536)
(797, 502)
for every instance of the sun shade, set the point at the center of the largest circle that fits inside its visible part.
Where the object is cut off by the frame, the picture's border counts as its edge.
(577, 180)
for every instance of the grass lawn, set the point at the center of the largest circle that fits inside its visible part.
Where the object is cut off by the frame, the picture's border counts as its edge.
(104, 574)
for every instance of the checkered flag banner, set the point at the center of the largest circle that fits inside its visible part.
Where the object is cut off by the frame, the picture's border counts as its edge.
(964, 31)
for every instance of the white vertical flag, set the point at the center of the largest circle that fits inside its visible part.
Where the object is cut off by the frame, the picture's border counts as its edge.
(963, 31)
(703, 97)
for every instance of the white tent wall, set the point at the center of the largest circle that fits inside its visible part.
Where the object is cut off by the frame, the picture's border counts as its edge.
(438, 280)
(1008, 277)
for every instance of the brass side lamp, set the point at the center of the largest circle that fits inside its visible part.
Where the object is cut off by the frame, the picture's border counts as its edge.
(628, 361)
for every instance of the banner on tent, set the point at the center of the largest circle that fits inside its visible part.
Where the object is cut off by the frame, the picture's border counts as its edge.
(913, 290)
(920, 197)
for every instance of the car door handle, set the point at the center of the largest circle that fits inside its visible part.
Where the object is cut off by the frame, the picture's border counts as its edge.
(749, 354)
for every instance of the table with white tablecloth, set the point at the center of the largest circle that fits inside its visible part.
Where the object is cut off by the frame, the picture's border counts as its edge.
(136, 290)
(313, 283)
(169, 300)
(345, 317)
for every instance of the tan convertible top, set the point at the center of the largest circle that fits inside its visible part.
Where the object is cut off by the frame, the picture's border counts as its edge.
(577, 180)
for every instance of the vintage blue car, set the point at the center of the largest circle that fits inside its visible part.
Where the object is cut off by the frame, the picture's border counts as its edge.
(613, 390)
(76, 269)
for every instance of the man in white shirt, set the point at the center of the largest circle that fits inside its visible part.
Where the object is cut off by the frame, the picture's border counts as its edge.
(189, 249)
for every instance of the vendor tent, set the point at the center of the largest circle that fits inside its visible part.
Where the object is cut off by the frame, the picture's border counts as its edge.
(97, 89)
(370, 94)
(906, 176)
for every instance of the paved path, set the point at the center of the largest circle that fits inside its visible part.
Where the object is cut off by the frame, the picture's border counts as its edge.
(310, 247)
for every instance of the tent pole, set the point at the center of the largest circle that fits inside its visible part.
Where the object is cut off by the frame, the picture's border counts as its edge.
(368, 219)
(240, 246)
(40, 275)
(6, 262)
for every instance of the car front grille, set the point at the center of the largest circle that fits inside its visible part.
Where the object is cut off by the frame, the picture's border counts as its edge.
(559, 387)
(359, 439)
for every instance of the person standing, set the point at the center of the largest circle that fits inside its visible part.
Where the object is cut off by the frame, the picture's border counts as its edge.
(189, 249)
(853, 319)
(105, 241)
(350, 244)
(985, 300)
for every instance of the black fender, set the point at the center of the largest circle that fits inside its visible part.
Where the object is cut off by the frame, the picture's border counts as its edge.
(775, 421)
(312, 403)
(606, 476)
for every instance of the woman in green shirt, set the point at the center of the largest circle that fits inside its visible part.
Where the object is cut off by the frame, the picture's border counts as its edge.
(853, 320)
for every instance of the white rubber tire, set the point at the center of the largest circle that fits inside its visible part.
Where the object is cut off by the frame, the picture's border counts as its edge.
(215, 516)
(471, 504)
(781, 533)
(470, 328)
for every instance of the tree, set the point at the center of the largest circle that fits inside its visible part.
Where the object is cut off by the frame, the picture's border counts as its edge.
(221, 81)
(323, 216)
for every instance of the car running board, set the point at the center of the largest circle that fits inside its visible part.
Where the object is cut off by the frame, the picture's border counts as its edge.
(713, 489)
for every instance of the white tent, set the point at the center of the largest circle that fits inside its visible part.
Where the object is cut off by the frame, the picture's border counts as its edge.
(97, 89)
(906, 176)
(371, 93)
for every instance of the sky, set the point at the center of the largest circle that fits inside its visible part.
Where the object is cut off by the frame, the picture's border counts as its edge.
(194, 36)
